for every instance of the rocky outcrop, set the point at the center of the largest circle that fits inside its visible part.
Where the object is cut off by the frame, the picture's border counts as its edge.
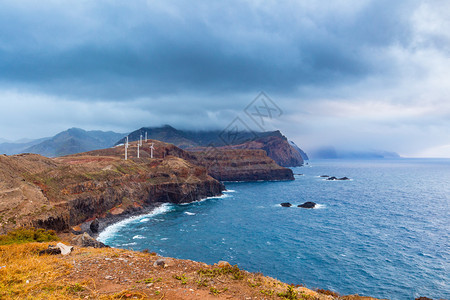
(308, 204)
(286, 204)
(85, 240)
(276, 147)
(241, 165)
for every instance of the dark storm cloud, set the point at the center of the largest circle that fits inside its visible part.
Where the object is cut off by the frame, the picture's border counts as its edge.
(356, 73)
(123, 51)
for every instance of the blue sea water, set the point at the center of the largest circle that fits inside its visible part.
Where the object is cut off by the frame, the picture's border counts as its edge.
(385, 233)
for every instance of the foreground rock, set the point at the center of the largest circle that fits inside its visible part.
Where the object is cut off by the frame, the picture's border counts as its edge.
(308, 204)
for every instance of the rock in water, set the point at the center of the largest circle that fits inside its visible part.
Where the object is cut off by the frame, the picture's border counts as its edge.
(344, 178)
(332, 178)
(85, 240)
(308, 204)
(324, 176)
(94, 225)
(286, 204)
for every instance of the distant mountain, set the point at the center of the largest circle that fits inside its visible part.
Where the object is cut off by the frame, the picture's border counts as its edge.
(11, 148)
(330, 152)
(274, 143)
(74, 140)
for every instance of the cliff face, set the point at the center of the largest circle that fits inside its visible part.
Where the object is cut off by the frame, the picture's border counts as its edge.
(241, 165)
(276, 147)
(62, 192)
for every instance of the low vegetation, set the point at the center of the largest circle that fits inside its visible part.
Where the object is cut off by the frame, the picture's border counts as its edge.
(27, 235)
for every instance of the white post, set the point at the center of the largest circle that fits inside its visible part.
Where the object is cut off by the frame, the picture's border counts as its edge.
(151, 151)
(138, 151)
(126, 149)
(140, 140)
(146, 136)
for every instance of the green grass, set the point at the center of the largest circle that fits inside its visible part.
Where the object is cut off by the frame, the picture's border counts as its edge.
(27, 235)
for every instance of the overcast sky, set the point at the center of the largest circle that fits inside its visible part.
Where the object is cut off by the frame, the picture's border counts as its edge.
(356, 74)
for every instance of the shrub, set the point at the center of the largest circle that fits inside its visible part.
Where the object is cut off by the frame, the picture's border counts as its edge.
(27, 235)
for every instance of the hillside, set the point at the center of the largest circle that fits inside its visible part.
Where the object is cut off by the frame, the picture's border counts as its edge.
(72, 141)
(62, 192)
(109, 273)
(274, 143)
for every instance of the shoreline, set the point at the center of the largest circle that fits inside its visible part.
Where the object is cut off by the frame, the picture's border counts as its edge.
(111, 220)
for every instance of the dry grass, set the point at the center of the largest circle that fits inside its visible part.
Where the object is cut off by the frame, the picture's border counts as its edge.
(26, 275)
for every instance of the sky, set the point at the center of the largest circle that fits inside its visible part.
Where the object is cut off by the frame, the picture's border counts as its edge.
(355, 74)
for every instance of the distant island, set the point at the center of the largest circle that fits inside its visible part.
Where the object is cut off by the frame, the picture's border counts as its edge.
(330, 152)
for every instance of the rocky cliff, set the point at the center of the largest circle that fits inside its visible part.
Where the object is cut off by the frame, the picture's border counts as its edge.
(241, 165)
(62, 192)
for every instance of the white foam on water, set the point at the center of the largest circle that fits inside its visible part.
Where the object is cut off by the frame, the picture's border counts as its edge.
(129, 244)
(164, 239)
(223, 196)
(320, 206)
(229, 191)
(144, 220)
(189, 213)
(138, 237)
(111, 230)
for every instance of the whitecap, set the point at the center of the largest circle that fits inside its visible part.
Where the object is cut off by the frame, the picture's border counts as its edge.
(138, 237)
(164, 239)
(111, 230)
(229, 191)
(144, 220)
(189, 213)
(320, 206)
(129, 244)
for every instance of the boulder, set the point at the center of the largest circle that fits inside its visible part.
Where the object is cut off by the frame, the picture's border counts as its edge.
(65, 250)
(332, 178)
(85, 240)
(223, 264)
(286, 204)
(308, 204)
(94, 226)
(324, 176)
(163, 263)
(344, 178)
(51, 250)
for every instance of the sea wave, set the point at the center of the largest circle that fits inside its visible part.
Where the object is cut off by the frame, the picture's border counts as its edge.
(138, 237)
(189, 213)
(111, 230)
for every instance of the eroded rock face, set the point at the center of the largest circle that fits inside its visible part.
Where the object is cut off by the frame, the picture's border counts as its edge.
(241, 165)
(276, 147)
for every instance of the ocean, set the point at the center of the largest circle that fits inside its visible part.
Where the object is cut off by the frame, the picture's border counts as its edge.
(385, 233)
